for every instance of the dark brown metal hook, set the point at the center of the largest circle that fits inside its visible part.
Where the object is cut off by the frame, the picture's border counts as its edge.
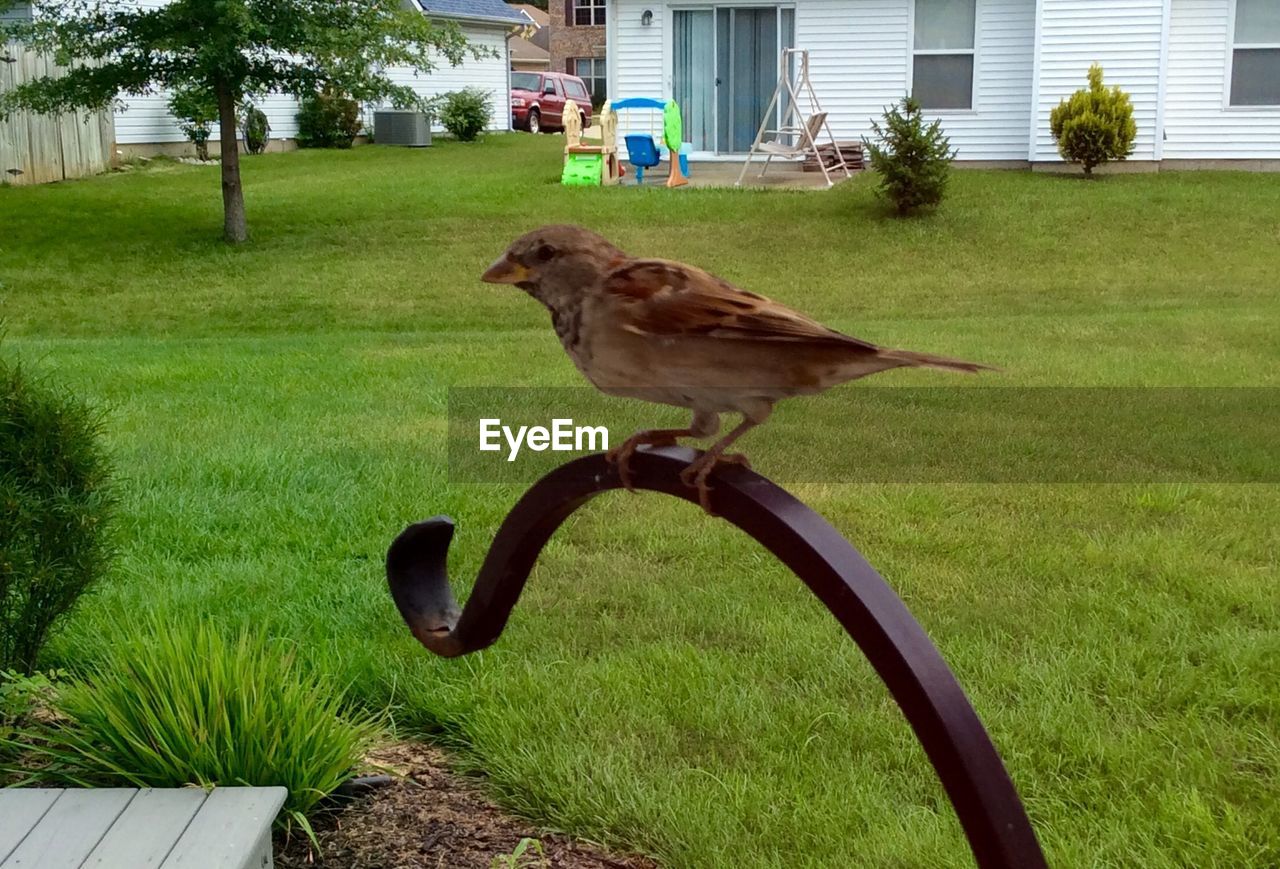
(955, 741)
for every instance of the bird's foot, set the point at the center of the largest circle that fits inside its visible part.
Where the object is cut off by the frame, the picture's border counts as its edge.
(695, 474)
(620, 456)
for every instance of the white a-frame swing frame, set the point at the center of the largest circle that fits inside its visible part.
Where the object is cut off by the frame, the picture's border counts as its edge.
(796, 86)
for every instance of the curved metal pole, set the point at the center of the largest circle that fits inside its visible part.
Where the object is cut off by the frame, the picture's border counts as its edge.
(971, 771)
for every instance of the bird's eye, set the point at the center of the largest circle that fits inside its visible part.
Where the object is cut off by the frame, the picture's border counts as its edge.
(544, 253)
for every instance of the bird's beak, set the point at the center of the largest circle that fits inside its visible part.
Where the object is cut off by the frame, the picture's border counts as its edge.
(505, 270)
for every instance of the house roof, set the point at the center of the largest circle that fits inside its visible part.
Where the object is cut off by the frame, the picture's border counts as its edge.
(539, 17)
(526, 51)
(473, 10)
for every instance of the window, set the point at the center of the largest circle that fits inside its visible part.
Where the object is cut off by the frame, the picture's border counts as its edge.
(592, 70)
(576, 92)
(1255, 54)
(588, 12)
(526, 81)
(549, 87)
(942, 54)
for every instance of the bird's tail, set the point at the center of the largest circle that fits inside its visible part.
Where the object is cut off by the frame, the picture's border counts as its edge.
(928, 360)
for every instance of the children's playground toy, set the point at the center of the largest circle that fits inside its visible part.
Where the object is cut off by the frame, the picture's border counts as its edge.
(590, 164)
(642, 148)
(642, 152)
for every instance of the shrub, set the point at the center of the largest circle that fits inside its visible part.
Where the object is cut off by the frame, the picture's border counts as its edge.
(912, 160)
(328, 119)
(22, 697)
(196, 110)
(56, 504)
(177, 704)
(1095, 125)
(465, 113)
(256, 129)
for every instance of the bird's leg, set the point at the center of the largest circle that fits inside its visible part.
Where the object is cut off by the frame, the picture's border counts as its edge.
(695, 475)
(703, 425)
(654, 437)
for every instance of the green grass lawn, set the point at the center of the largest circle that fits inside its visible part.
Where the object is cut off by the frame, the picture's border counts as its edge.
(278, 415)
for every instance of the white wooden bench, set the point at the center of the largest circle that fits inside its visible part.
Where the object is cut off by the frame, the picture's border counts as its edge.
(127, 828)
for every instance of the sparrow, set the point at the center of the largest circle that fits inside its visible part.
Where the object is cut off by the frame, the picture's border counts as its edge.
(673, 334)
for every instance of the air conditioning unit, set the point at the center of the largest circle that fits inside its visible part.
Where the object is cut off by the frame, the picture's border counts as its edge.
(401, 127)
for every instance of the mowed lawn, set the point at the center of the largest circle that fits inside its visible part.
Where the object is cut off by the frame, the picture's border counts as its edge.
(278, 414)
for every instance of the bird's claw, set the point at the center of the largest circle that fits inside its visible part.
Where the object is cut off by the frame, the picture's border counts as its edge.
(696, 473)
(620, 456)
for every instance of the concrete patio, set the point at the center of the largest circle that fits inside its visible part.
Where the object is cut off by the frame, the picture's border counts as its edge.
(782, 174)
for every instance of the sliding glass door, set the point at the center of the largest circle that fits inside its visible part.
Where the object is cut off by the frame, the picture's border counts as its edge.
(694, 79)
(725, 69)
(748, 44)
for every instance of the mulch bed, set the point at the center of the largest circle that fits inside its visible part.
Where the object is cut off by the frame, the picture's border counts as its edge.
(430, 817)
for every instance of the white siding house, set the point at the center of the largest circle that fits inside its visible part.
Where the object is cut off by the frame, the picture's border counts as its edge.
(16, 12)
(143, 122)
(490, 73)
(1203, 75)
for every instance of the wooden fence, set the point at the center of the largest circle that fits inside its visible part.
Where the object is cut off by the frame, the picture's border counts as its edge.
(35, 149)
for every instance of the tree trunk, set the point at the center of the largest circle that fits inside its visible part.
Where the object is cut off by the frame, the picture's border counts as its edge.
(233, 225)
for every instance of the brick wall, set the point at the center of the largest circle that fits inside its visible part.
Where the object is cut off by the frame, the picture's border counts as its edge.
(569, 40)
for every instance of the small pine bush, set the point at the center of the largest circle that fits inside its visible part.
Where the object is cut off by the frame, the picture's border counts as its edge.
(465, 113)
(328, 119)
(56, 505)
(256, 129)
(173, 704)
(913, 160)
(1095, 125)
(196, 110)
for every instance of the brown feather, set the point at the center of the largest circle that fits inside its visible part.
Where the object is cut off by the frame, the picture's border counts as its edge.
(928, 360)
(669, 299)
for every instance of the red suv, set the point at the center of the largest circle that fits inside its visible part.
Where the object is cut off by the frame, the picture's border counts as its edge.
(537, 100)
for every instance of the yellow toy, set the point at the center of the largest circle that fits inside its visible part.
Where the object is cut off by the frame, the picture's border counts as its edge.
(590, 164)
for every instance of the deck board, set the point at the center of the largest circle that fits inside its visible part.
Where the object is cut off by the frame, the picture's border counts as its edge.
(127, 828)
(228, 830)
(20, 810)
(147, 830)
(74, 824)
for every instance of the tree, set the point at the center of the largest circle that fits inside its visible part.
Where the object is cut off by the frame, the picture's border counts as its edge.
(1095, 125)
(912, 160)
(231, 48)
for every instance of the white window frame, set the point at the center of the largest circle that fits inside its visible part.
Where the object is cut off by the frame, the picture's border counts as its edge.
(977, 42)
(599, 10)
(1230, 65)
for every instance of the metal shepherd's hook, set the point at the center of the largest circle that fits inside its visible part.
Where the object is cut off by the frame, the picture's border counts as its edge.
(937, 709)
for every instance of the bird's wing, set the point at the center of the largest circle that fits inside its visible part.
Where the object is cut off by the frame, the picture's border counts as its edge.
(669, 299)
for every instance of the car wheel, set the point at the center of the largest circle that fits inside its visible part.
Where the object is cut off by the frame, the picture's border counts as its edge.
(583, 116)
(535, 121)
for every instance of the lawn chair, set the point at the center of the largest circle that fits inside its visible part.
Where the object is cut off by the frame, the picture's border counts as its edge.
(804, 146)
(642, 152)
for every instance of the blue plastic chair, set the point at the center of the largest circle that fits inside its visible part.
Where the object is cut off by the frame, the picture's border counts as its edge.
(642, 152)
